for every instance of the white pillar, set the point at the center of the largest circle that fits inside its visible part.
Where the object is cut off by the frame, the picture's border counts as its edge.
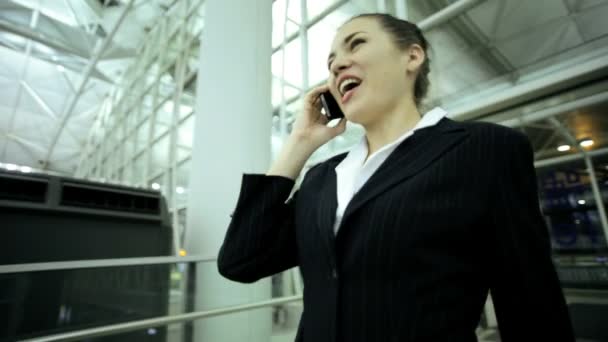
(232, 137)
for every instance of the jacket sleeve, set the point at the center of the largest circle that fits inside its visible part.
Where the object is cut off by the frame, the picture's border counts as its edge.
(527, 295)
(260, 240)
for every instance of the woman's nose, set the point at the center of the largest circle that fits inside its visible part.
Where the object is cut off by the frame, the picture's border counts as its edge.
(339, 64)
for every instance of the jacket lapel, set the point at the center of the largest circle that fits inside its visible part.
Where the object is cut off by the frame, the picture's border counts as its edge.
(328, 204)
(412, 156)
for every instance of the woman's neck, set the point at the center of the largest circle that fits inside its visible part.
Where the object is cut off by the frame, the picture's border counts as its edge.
(390, 127)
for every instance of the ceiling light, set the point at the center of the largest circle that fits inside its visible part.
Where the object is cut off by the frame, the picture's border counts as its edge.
(563, 148)
(179, 190)
(60, 68)
(581, 202)
(25, 169)
(586, 142)
(155, 186)
(11, 167)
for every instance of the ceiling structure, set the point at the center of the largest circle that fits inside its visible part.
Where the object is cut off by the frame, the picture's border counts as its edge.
(45, 49)
(499, 61)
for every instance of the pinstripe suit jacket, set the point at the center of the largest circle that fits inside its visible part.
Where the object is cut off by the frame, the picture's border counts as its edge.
(451, 214)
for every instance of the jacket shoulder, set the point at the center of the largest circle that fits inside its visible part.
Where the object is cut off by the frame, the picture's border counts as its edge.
(494, 134)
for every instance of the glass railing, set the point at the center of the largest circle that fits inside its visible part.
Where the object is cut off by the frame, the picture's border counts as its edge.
(153, 299)
(138, 299)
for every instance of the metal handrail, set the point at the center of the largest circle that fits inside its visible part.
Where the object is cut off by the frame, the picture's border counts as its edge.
(71, 265)
(159, 321)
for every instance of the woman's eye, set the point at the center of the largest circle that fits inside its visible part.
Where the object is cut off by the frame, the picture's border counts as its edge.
(356, 42)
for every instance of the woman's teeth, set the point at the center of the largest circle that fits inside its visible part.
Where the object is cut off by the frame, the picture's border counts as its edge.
(345, 85)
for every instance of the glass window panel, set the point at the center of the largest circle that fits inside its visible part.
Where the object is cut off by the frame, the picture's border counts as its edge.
(182, 181)
(600, 165)
(137, 174)
(165, 113)
(315, 7)
(129, 148)
(127, 175)
(186, 110)
(278, 20)
(160, 155)
(158, 184)
(160, 129)
(570, 209)
(276, 92)
(320, 37)
(183, 153)
(293, 66)
(134, 118)
(144, 112)
(142, 135)
(185, 132)
(295, 106)
(119, 174)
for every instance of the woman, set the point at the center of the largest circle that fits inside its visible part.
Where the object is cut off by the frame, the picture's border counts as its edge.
(402, 238)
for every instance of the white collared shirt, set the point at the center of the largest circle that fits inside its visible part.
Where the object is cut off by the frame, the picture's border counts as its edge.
(354, 170)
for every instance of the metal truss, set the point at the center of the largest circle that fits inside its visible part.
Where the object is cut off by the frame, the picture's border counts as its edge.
(28, 50)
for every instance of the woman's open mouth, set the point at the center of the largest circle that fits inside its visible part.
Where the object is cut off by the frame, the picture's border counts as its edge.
(347, 87)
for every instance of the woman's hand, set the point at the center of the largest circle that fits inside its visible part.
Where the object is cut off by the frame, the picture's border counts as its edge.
(310, 126)
(309, 132)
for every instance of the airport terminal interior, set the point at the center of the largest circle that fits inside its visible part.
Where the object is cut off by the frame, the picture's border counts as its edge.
(125, 127)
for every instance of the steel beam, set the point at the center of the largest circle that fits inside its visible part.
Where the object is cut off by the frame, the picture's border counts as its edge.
(381, 6)
(569, 158)
(556, 110)
(401, 9)
(447, 14)
(38, 37)
(29, 146)
(41, 103)
(550, 80)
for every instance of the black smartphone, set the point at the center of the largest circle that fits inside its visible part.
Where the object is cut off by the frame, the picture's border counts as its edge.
(331, 107)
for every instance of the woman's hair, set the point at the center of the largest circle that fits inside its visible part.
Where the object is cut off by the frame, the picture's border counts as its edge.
(404, 34)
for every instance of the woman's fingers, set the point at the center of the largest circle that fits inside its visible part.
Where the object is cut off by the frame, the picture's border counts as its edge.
(312, 98)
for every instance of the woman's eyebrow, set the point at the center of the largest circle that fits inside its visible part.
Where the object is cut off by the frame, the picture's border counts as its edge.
(345, 42)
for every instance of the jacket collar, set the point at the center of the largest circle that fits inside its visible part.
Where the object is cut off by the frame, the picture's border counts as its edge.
(356, 156)
(412, 156)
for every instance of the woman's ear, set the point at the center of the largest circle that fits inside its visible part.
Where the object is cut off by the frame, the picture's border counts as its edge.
(416, 57)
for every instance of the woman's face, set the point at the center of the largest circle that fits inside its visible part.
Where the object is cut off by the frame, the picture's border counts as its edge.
(368, 73)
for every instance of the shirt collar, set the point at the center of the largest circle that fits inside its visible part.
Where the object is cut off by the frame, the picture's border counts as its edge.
(358, 153)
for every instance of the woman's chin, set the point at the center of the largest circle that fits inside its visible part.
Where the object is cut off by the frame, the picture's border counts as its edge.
(355, 116)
